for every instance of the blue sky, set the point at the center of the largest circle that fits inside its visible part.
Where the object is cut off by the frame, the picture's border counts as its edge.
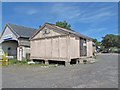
(93, 19)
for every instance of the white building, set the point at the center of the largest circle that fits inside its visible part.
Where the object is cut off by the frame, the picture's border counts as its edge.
(14, 40)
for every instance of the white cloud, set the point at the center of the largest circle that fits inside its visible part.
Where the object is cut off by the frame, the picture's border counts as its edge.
(32, 11)
(94, 31)
(73, 12)
(96, 17)
(64, 10)
(26, 10)
(83, 15)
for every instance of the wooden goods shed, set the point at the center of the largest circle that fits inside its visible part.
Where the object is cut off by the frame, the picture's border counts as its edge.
(53, 43)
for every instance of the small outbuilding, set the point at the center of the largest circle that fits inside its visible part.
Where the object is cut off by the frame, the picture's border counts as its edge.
(52, 43)
(14, 40)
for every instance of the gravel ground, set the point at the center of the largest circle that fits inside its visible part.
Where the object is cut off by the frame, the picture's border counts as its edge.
(0, 78)
(102, 74)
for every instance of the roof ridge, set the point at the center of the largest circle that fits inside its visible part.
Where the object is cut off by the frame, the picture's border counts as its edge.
(22, 31)
(13, 29)
(65, 29)
(70, 31)
(21, 26)
(60, 27)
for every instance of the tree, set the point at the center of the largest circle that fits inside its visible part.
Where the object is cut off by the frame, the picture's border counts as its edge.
(96, 42)
(63, 24)
(111, 40)
(118, 41)
(39, 26)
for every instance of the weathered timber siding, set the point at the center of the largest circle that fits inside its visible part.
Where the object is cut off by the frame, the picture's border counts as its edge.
(41, 35)
(24, 42)
(74, 47)
(50, 48)
(89, 48)
(57, 48)
(56, 45)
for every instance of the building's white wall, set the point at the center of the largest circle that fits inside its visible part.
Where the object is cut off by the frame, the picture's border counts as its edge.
(21, 52)
(7, 32)
(5, 45)
(14, 44)
(25, 51)
(1, 51)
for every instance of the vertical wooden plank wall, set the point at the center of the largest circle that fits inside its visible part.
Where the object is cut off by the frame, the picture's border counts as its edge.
(89, 48)
(74, 50)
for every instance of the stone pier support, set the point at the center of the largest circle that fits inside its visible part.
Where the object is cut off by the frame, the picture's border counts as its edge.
(46, 62)
(67, 63)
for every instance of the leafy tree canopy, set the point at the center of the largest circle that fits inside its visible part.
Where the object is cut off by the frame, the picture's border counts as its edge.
(96, 42)
(111, 40)
(63, 24)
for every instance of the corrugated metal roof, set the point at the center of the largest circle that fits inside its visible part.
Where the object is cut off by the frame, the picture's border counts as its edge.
(22, 31)
(71, 31)
(27, 32)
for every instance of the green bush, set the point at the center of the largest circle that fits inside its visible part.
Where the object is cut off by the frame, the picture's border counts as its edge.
(24, 62)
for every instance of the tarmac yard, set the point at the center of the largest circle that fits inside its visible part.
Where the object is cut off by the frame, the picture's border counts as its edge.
(102, 74)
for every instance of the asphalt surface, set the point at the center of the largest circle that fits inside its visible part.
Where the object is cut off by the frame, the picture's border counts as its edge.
(102, 74)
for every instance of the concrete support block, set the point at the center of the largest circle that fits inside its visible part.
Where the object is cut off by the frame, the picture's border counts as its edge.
(67, 63)
(46, 62)
(78, 61)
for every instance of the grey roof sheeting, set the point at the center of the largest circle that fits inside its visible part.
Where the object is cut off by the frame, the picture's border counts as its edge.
(62, 29)
(26, 32)
(72, 32)
(22, 31)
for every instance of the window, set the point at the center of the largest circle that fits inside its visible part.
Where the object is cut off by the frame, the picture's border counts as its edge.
(9, 48)
(46, 31)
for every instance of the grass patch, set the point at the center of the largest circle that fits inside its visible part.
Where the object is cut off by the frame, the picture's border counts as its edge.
(15, 61)
(24, 63)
